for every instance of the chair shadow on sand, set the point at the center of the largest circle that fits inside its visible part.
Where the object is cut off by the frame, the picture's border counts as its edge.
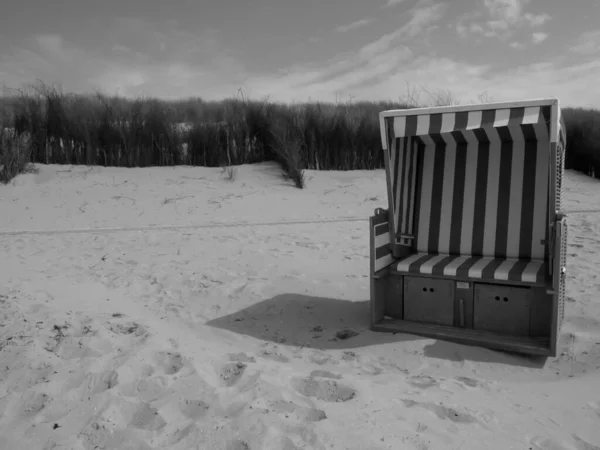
(300, 320)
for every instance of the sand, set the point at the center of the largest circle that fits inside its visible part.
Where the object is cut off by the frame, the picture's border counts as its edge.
(251, 330)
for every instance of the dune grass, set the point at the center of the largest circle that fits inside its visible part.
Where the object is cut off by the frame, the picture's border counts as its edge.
(64, 128)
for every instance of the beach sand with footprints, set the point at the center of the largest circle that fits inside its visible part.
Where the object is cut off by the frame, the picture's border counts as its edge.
(251, 330)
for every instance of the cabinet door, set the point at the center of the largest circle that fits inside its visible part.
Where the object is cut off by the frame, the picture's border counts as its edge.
(502, 309)
(429, 300)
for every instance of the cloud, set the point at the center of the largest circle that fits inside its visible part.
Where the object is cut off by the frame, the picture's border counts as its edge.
(587, 44)
(536, 20)
(132, 63)
(422, 21)
(137, 58)
(503, 17)
(391, 3)
(509, 11)
(423, 18)
(353, 25)
(375, 60)
(54, 46)
(552, 78)
(538, 38)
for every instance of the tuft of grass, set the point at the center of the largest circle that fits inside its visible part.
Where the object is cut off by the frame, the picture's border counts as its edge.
(288, 146)
(15, 154)
(230, 172)
(289, 152)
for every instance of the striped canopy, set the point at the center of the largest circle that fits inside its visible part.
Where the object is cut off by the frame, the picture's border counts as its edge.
(472, 180)
(441, 120)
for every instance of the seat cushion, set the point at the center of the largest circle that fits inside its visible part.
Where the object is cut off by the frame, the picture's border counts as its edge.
(479, 268)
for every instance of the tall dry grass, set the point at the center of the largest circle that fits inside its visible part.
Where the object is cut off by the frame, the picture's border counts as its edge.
(14, 154)
(64, 128)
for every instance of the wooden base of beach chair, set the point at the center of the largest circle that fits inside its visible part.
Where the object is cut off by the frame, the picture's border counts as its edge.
(503, 317)
(496, 341)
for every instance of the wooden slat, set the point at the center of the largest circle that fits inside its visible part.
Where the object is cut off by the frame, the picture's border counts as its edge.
(460, 108)
(393, 271)
(380, 249)
(525, 345)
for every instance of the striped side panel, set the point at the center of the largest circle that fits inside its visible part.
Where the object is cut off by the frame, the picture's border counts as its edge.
(403, 162)
(540, 184)
(381, 250)
(479, 268)
(419, 125)
(405, 177)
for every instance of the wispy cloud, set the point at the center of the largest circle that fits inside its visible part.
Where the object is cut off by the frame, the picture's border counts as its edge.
(466, 81)
(536, 20)
(353, 25)
(144, 58)
(506, 10)
(588, 43)
(501, 18)
(421, 21)
(137, 58)
(374, 61)
(424, 18)
(392, 3)
(140, 57)
(538, 38)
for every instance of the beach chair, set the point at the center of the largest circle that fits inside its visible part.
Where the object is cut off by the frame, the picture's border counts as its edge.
(472, 245)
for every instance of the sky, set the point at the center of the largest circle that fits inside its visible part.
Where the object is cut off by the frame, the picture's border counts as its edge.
(307, 50)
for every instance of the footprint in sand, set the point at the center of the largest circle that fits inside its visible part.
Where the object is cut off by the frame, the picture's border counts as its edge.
(128, 328)
(231, 373)
(76, 348)
(177, 436)
(324, 374)
(468, 382)
(582, 444)
(298, 412)
(422, 381)
(546, 443)
(171, 362)
(97, 435)
(146, 390)
(372, 370)
(237, 444)
(33, 403)
(443, 412)
(281, 443)
(595, 406)
(274, 356)
(147, 418)
(319, 358)
(241, 357)
(349, 356)
(96, 383)
(326, 390)
(193, 409)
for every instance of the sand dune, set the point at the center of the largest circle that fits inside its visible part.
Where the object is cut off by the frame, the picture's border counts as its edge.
(254, 336)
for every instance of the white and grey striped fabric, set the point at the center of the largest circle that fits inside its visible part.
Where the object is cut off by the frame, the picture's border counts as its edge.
(473, 184)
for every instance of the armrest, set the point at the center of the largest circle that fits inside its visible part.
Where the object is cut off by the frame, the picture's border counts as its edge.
(380, 248)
